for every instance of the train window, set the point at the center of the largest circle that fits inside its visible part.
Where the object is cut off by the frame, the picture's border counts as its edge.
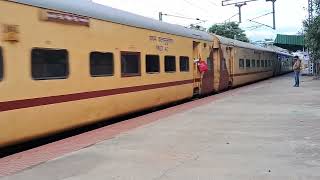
(49, 64)
(241, 63)
(130, 64)
(253, 63)
(101, 64)
(262, 63)
(258, 63)
(248, 63)
(152, 64)
(266, 64)
(184, 63)
(270, 63)
(170, 63)
(1, 65)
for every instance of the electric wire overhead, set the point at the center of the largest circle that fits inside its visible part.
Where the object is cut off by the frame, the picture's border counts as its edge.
(240, 3)
(260, 24)
(181, 17)
(237, 3)
(193, 5)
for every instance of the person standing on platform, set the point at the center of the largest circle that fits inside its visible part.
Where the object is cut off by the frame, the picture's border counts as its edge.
(297, 69)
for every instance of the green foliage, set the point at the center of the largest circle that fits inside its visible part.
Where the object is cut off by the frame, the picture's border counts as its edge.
(317, 7)
(229, 30)
(312, 36)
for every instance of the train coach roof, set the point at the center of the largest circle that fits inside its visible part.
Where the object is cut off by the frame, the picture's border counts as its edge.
(281, 51)
(98, 11)
(232, 42)
(284, 53)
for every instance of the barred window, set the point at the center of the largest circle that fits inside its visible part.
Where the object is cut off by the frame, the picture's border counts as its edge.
(152, 64)
(253, 63)
(270, 63)
(241, 63)
(101, 64)
(130, 64)
(170, 63)
(248, 63)
(184, 63)
(1, 64)
(262, 63)
(49, 64)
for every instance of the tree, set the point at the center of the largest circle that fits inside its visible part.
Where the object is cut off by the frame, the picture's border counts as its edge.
(229, 30)
(317, 5)
(312, 37)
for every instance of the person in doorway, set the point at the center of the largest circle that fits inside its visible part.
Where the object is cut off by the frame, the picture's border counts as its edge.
(297, 69)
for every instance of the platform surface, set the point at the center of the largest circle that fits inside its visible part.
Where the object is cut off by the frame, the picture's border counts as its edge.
(266, 131)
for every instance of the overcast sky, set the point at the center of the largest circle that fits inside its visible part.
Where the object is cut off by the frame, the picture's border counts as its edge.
(289, 13)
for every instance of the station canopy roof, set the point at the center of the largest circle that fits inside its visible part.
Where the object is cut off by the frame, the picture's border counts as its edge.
(290, 42)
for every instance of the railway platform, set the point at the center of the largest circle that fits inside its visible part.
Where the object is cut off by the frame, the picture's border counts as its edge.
(267, 130)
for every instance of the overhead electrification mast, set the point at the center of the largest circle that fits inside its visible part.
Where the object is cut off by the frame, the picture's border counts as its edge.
(240, 3)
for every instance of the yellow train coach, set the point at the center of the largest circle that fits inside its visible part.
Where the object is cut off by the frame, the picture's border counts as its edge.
(65, 64)
(245, 63)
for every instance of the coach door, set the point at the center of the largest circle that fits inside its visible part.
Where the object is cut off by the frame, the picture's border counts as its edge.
(207, 79)
(196, 84)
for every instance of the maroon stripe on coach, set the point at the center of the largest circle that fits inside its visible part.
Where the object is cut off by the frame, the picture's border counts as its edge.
(27, 103)
(250, 73)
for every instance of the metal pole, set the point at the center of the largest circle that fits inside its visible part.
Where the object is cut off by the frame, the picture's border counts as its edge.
(240, 21)
(310, 10)
(274, 14)
(160, 16)
(239, 6)
(310, 17)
